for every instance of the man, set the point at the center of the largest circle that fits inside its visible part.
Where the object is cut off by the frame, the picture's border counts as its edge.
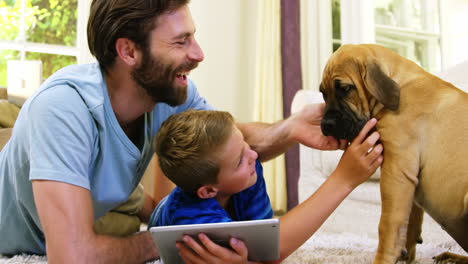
(81, 143)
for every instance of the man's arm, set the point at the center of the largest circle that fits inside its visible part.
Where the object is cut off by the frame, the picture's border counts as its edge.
(162, 185)
(271, 140)
(66, 216)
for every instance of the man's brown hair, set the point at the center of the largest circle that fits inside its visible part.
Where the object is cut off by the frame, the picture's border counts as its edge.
(186, 147)
(132, 19)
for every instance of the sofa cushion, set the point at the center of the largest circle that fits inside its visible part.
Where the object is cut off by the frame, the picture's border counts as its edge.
(456, 75)
(3, 93)
(8, 113)
(5, 134)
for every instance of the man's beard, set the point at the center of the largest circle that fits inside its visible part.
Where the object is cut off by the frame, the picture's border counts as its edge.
(157, 79)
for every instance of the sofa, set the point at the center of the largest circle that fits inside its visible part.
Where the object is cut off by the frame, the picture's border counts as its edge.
(8, 114)
(8, 110)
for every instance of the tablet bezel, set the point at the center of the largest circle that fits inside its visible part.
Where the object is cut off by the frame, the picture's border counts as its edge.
(260, 236)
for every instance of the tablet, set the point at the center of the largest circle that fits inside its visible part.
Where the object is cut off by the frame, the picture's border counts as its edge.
(260, 236)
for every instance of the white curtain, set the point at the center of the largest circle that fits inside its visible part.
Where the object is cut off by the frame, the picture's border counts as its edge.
(316, 40)
(82, 36)
(268, 106)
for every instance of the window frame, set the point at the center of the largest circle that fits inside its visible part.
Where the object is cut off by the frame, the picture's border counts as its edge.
(358, 26)
(80, 50)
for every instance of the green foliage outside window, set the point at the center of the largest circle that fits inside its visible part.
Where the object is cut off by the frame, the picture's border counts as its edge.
(45, 21)
(56, 22)
(336, 24)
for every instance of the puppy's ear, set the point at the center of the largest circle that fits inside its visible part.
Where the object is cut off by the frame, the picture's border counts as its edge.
(382, 87)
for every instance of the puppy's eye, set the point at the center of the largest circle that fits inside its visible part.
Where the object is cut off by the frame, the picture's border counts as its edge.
(344, 89)
(347, 88)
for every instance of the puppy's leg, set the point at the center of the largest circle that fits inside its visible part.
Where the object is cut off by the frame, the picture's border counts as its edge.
(448, 257)
(458, 230)
(413, 236)
(397, 186)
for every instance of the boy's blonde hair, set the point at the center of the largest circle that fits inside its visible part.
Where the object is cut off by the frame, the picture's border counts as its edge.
(186, 146)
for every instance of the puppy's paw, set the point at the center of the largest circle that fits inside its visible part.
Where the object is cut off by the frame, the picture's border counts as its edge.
(449, 258)
(403, 255)
(420, 240)
(442, 258)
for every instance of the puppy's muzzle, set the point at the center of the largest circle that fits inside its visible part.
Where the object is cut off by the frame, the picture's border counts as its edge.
(340, 125)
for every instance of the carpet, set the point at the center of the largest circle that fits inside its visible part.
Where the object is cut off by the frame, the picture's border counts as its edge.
(347, 248)
(349, 236)
(323, 248)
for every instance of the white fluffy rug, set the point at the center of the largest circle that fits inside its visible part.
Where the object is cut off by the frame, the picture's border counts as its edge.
(345, 248)
(349, 248)
(349, 236)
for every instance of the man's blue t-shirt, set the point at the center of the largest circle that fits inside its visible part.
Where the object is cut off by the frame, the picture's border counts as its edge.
(68, 132)
(181, 208)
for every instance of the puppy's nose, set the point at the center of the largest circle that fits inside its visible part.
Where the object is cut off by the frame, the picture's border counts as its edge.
(328, 126)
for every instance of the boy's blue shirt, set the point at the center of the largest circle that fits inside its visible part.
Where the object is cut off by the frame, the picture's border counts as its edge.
(181, 208)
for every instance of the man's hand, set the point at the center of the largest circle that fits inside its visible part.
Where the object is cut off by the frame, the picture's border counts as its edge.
(305, 129)
(271, 140)
(209, 252)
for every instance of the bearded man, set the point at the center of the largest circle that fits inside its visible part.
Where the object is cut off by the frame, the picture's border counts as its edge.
(82, 142)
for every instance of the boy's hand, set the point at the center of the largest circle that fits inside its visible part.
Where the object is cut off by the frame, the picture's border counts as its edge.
(362, 157)
(209, 252)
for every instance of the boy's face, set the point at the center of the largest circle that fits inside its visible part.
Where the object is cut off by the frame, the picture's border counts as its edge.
(237, 165)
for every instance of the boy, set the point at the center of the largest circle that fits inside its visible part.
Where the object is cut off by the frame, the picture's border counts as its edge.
(215, 171)
(219, 178)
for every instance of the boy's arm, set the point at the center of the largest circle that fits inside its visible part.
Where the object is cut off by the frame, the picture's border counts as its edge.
(296, 227)
(271, 140)
(356, 166)
(299, 224)
(66, 216)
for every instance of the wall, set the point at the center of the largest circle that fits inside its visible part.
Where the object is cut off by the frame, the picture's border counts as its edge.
(454, 31)
(226, 34)
(226, 31)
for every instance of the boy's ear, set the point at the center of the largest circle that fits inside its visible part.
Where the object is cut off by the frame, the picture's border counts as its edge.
(207, 191)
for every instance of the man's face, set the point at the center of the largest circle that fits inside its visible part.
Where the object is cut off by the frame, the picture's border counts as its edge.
(173, 53)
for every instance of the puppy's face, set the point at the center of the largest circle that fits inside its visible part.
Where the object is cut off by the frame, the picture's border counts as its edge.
(343, 118)
(353, 86)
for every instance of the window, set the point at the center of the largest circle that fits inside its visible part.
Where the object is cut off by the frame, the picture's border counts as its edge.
(410, 28)
(336, 24)
(50, 31)
(432, 33)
